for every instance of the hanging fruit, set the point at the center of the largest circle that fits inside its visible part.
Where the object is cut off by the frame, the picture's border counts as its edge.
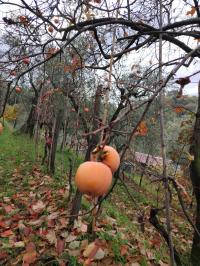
(107, 155)
(93, 178)
(26, 60)
(18, 90)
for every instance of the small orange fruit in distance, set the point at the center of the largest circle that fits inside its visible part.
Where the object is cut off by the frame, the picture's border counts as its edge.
(86, 109)
(93, 178)
(108, 156)
(18, 89)
(1, 128)
(50, 29)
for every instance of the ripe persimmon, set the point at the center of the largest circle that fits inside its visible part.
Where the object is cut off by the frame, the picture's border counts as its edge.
(93, 178)
(26, 60)
(86, 110)
(56, 20)
(1, 128)
(13, 73)
(50, 29)
(108, 155)
(18, 89)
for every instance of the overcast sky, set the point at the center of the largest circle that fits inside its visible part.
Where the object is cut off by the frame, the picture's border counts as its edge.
(178, 13)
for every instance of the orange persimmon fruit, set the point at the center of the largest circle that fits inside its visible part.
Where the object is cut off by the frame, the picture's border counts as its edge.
(86, 110)
(18, 89)
(108, 155)
(50, 29)
(26, 60)
(56, 20)
(93, 178)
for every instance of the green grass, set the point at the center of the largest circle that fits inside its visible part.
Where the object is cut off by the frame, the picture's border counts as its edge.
(18, 154)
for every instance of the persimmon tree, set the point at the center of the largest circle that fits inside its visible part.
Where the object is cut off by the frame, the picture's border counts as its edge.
(43, 31)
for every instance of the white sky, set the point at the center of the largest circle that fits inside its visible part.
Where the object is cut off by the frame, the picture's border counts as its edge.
(178, 13)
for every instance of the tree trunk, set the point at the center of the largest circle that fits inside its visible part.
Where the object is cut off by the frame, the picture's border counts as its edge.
(195, 178)
(76, 205)
(64, 135)
(58, 124)
(29, 125)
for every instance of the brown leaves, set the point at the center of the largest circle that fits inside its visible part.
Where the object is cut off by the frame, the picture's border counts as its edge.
(142, 129)
(7, 233)
(155, 241)
(51, 237)
(192, 11)
(38, 207)
(60, 246)
(30, 255)
(9, 208)
(124, 250)
(3, 255)
(93, 250)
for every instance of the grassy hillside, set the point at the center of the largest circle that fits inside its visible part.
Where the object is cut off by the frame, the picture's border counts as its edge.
(34, 215)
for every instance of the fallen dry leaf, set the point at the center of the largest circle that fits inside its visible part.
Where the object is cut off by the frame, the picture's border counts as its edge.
(83, 228)
(19, 244)
(38, 207)
(53, 215)
(60, 246)
(9, 208)
(7, 233)
(51, 237)
(30, 255)
(3, 255)
(4, 224)
(124, 250)
(92, 247)
(70, 238)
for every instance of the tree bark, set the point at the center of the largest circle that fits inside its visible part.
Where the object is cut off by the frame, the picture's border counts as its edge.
(29, 125)
(64, 134)
(58, 124)
(195, 178)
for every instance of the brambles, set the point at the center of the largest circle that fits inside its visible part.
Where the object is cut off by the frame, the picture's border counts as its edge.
(93, 178)
(108, 155)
